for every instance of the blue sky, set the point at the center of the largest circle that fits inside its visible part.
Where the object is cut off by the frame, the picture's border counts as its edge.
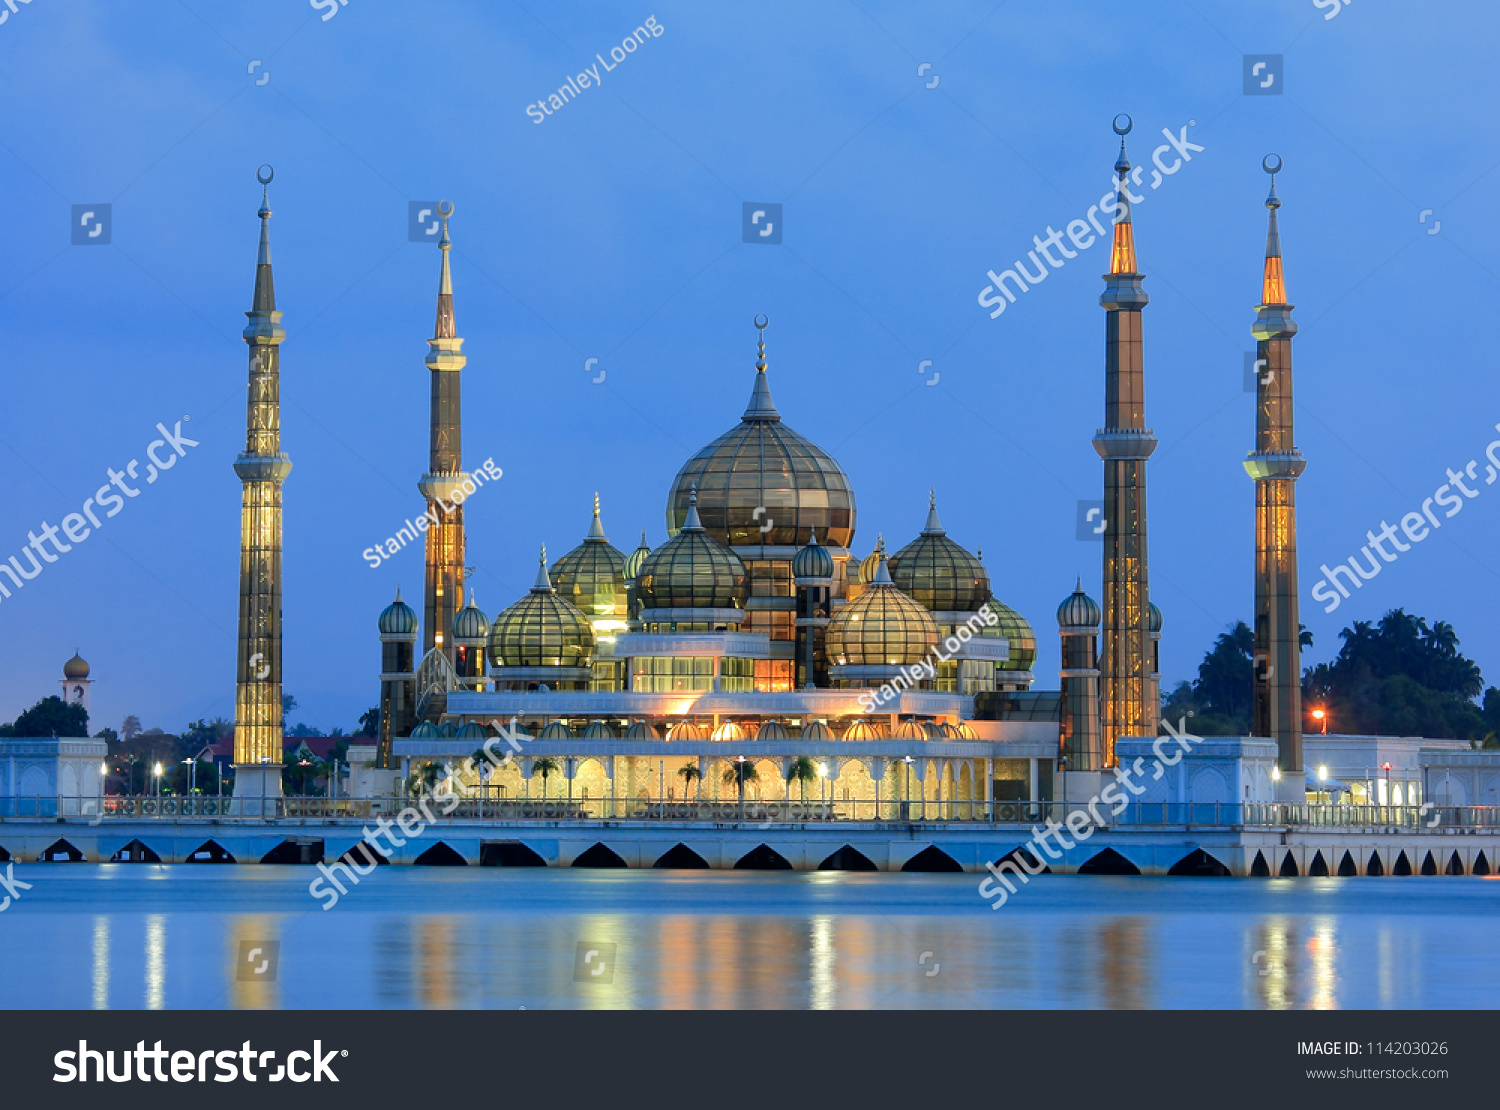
(612, 231)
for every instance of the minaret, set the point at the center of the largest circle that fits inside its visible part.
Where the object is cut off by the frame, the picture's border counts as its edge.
(1124, 443)
(812, 580)
(1275, 464)
(261, 469)
(443, 597)
(1078, 625)
(398, 678)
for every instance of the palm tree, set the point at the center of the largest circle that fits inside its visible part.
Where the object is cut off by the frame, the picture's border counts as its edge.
(547, 766)
(739, 772)
(690, 773)
(425, 776)
(804, 771)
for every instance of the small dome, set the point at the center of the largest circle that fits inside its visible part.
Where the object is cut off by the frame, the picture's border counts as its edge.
(557, 730)
(1078, 610)
(474, 731)
(685, 730)
(729, 732)
(773, 730)
(758, 472)
(934, 730)
(813, 561)
(447, 729)
(398, 618)
(598, 730)
(960, 731)
(816, 730)
(470, 623)
(691, 571)
(862, 730)
(909, 730)
(541, 630)
(881, 627)
(871, 562)
(1153, 617)
(592, 575)
(424, 731)
(634, 560)
(516, 730)
(75, 668)
(640, 730)
(937, 573)
(1022, 639)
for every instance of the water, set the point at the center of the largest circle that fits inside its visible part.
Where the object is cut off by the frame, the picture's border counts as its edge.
(126, 936)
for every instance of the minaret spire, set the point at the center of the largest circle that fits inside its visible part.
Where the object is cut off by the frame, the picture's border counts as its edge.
(761, 407)
(1275, 465)
(1127, 707)
(261, 468)
(445, 485)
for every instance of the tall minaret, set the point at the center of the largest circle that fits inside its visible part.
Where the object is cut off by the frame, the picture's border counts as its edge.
(1124, 443)
(444, 594)
(261, 469)
(1275, 465)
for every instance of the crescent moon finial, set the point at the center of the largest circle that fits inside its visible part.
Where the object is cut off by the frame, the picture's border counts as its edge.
(445, 213)
(1265, 164)
(761, 321)
(1129, 123)
(265, 174)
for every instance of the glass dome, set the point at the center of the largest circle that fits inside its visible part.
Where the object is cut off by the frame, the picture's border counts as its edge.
(691, 571)
(815, 730)
(813, 561)
(939, 574)
(541, 630)
(398, 618)
(881, 627)
(1022, 639)
(761, 464)
(1153, 617)
(1078, 610)
(470, 623)
(634, 560)
(592, 575)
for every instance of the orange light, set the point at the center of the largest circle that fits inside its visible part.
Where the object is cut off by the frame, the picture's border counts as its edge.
(1122, 254)
(1318, 714)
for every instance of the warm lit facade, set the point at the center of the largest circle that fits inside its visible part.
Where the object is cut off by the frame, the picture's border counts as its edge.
(261, 468)
(1276, 464)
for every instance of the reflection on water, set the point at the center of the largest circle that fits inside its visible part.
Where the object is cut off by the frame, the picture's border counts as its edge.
(451, 938)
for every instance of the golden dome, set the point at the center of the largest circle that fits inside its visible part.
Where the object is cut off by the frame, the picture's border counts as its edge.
(882, 627)
(541, 630)
(592, 575)
(75, 668)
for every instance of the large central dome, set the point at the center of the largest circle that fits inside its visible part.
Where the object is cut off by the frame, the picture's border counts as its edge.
(761, 464)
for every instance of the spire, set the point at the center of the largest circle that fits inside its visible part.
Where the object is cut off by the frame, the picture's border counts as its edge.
(761, 406)
(543, 584)
(812, 538)
(692, 523)
(264, 298)
(398, 595)
(1273, 285)
(934, 526)
(445, 328)
(882, 572)
(596, 529)
(1122, 253)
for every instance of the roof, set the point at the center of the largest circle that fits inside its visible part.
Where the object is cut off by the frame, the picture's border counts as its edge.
(320, 746)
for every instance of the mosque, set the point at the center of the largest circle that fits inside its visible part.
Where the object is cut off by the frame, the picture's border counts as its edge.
(754, 655)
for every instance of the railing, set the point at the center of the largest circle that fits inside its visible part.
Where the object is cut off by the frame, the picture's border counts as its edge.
(1261, 815)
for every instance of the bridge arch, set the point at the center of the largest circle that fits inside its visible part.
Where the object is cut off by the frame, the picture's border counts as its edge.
(599, 854)
(931, 858)
(1109, 862)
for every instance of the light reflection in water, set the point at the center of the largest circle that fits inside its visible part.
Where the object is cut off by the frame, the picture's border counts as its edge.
(156, 962)
(824, 964)
(1322, 949)
(101, 963)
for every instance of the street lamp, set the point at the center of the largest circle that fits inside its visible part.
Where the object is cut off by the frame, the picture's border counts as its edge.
(1323, 781)
(192, 767)
(822, 783)
(1321, 716)
(156, 774)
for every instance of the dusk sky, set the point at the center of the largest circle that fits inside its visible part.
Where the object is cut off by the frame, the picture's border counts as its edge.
(611, 230)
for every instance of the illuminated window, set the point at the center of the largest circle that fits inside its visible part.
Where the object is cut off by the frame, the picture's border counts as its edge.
(773, 676)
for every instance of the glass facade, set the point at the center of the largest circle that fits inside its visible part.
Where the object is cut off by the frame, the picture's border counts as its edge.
(541, 630)
(762, 464)
(656, 674)
(882, 627)
(773, 676)
(592, 578)
(940, 575)
(778, 624)
(770, 578)
(691, 571)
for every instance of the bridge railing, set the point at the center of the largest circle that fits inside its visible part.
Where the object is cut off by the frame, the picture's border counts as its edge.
(794, 810)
